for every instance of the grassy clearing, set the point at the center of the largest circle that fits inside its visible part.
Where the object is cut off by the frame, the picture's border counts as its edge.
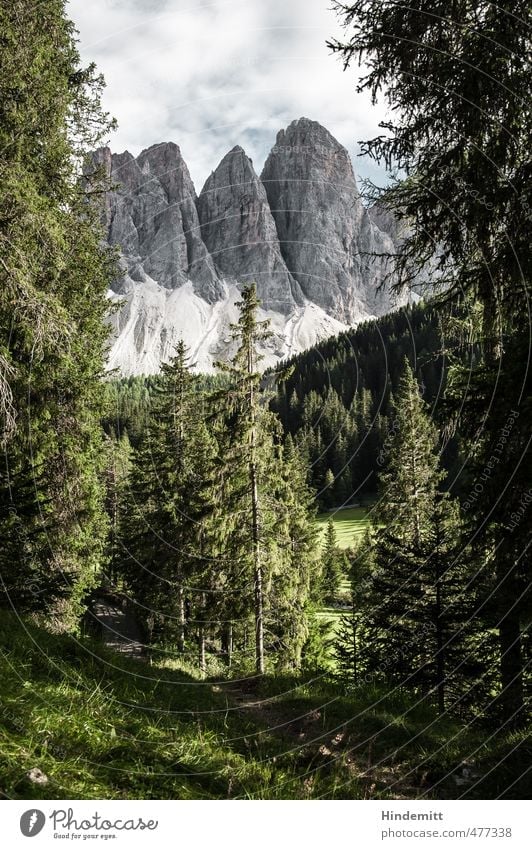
(349, 525)
(103, 727)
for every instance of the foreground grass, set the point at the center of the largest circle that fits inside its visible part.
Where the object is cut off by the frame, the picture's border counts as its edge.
(100, 726)
(349, 525)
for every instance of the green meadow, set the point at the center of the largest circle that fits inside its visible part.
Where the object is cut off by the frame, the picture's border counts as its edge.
(349, 524)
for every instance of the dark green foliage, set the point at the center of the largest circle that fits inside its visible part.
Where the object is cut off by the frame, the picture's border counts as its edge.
(414, 621)
(496, 494)
(338, 399)
(456, 80)
(54, 274)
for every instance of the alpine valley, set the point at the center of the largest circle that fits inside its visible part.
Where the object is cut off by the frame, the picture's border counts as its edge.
(299, 231)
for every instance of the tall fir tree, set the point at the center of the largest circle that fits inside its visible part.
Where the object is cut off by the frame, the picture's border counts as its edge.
(296, 568)
(417, 609)
(245, 441)
(464, 146)
(351, 661)
(268, 523)
(332, 563)
(54, 275)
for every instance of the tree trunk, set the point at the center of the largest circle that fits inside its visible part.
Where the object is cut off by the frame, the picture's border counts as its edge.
(511, 698)
(255, 523)
(355, 658)
(257, 568)
(181, 620)
(202, 613)
(440, 656)
(202, 662)
(201, 639)
(227, 642)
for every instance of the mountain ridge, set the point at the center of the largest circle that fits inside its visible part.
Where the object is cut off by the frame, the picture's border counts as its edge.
(299, 231)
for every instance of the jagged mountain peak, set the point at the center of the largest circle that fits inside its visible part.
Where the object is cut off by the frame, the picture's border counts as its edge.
(239, 231)
(125, 156)
(326, 236)
(152, 216)
(163, 155)
(300, 232)
(161, 146)
(311, 141)
(236, 149)
(308, 128)
(234, 168)
(306, 151)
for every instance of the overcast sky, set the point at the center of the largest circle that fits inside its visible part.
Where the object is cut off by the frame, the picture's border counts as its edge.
(209, 75)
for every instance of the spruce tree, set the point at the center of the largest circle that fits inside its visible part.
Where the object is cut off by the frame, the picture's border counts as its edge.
(169, 500)
(268, 539)
(295, 565)
(415, 618)
(54, 275)
(331, 563)
(351, 661)
(464, 146)
(243, 419)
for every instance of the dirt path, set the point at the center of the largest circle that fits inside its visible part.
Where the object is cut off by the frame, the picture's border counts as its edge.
(117, 627)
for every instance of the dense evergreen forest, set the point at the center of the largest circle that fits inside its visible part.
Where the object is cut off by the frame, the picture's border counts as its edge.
(338, 398)
(335, 400)
(184, 506)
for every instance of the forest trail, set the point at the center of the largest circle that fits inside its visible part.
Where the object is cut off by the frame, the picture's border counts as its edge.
(370, 760)
(116, 625)
(360, 757)
(279, 719)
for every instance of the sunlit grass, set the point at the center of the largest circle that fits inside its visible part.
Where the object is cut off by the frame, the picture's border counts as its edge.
(349, 525)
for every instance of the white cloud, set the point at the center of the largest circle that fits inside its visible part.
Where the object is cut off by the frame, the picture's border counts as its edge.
(209, 75)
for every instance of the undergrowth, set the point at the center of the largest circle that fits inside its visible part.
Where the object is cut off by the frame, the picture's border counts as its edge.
(99, 725)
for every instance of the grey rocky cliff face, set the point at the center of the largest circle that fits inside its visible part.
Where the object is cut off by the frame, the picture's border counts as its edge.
(152, 216)
(386, 221)
(301, 233)
(240, 234)
(325, 232)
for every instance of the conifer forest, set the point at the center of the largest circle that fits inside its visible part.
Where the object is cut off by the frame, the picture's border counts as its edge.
(302, 580)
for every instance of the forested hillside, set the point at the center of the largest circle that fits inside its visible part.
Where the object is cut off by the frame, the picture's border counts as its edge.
(336, 399)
